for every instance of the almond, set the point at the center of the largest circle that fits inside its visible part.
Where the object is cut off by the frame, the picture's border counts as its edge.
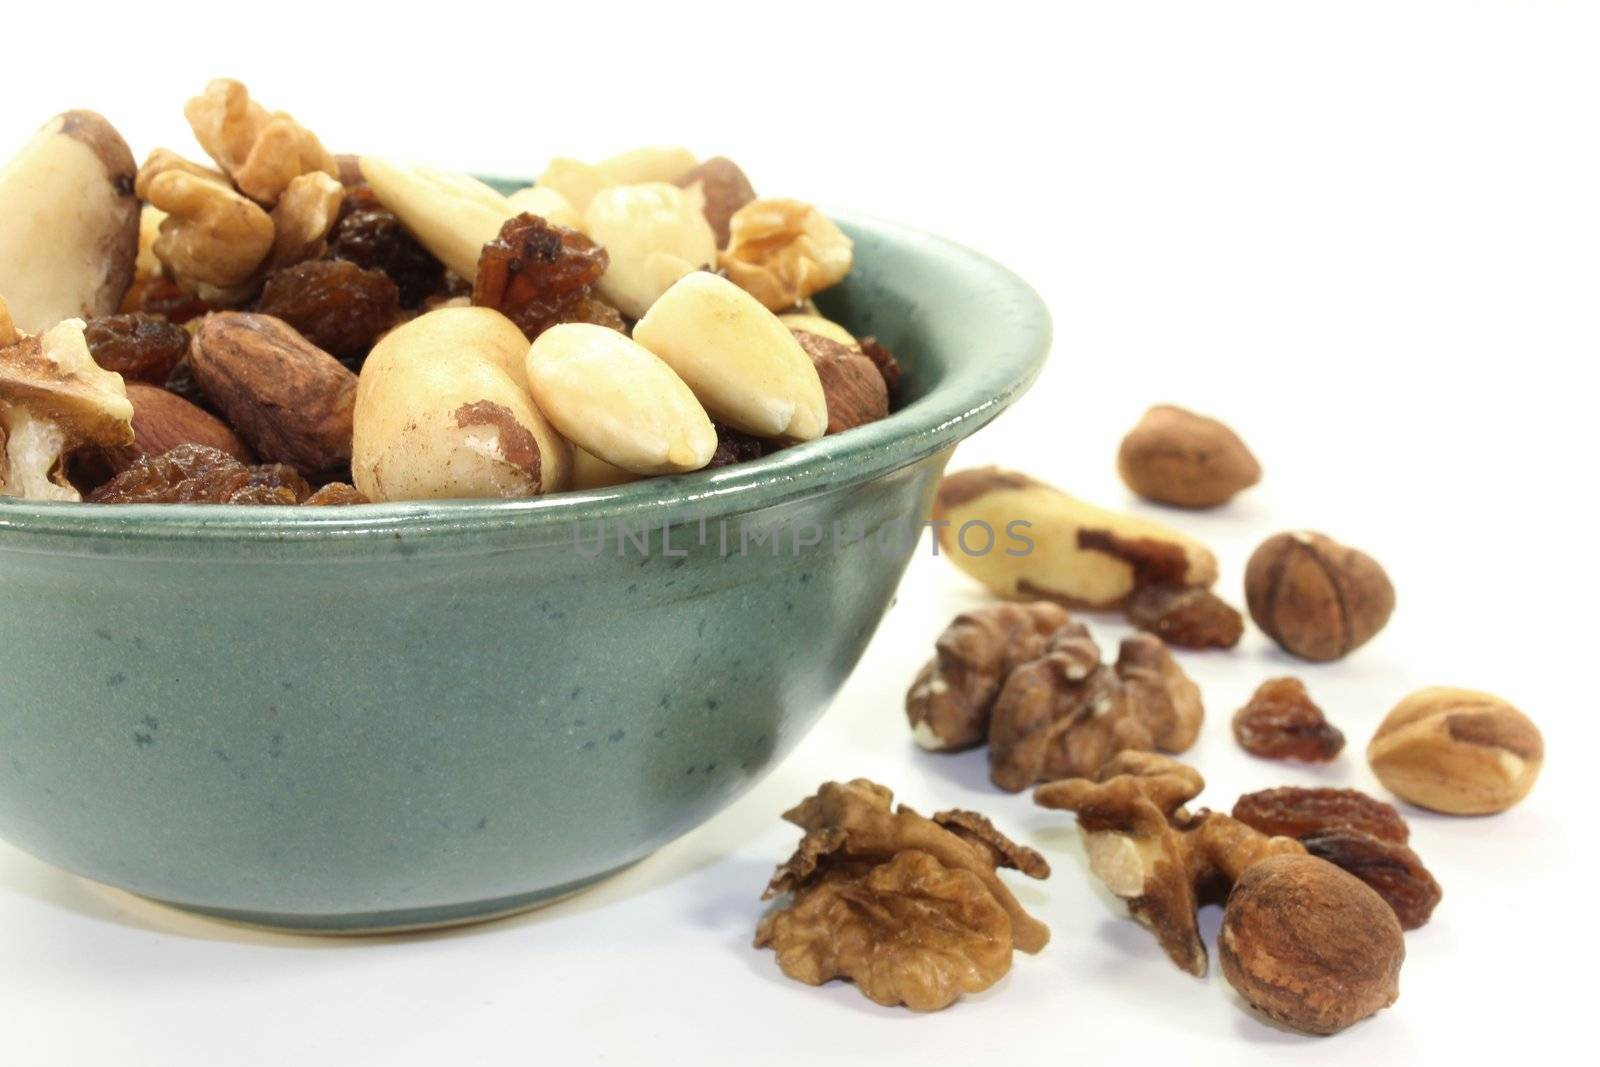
(290, 401)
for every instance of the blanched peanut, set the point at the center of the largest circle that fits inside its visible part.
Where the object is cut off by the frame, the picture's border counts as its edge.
(442, 411)
(614, 398)
(655, 233)
(453, 215)
(740, 361)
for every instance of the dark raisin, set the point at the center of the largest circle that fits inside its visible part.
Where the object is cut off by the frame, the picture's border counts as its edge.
(197, 474)
(883, 359)
(536, 274)
(735, 446)
(1293, 811)
(1185, 617)
(1390, 868)
(336, 305)
(1282, 722)
(161, 296)
(139, 346)
(369, 235)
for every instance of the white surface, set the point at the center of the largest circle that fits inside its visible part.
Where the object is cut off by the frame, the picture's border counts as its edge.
(1364, 233)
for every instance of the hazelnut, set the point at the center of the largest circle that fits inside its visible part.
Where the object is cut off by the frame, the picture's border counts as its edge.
(1317, 598)
(1309, 945)
(1457, 751)
(1176, 457)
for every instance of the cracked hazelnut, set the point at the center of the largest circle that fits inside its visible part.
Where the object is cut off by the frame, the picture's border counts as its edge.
(908, 908)
(855, 392)
(1316, 598)
(1457, 751)
(1176, 457)
(950, 701)
(1309, 945)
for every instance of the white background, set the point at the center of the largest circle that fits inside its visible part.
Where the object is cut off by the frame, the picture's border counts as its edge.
(1367, 234)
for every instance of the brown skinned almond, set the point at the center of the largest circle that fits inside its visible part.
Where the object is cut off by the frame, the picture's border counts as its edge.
(290, 401)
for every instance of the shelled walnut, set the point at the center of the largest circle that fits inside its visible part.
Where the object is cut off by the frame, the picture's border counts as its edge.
(908, 908)
(950, 701)
(1152, 852)
(1065, 713)
(263, 152)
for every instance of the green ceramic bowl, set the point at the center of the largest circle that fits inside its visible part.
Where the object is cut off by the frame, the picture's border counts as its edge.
(400, 715)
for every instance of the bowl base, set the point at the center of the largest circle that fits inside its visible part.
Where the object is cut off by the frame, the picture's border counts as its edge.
(403, 921)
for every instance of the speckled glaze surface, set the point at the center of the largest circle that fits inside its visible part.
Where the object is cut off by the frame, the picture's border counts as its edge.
(390, 716)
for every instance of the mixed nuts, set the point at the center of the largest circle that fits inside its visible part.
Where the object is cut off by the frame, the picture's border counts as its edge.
(1317, 885)
(407, 330)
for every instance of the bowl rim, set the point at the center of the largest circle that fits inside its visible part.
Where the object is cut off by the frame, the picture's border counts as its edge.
(958, 404)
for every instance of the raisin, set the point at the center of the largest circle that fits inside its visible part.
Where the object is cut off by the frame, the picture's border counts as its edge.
(338, 306)
(181, 381)
(197, 474)
(883, 359)
(1293, 811)
(369, 235)
(160, 295)
(1282, 722)
(1185, 617)
(735, 446)
(336, 493)
(1394, 871)
(139, 346)
(536, 273)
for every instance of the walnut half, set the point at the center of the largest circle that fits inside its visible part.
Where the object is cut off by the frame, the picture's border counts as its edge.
(908, 908)
(1150, 851)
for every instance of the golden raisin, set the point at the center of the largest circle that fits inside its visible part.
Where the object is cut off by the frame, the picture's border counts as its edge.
(337, 306)
(1394, 871)
(538, 274)
(1185, 617)
(1294, 811)
(1282, 722)
(197, 474)
(139, 346)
